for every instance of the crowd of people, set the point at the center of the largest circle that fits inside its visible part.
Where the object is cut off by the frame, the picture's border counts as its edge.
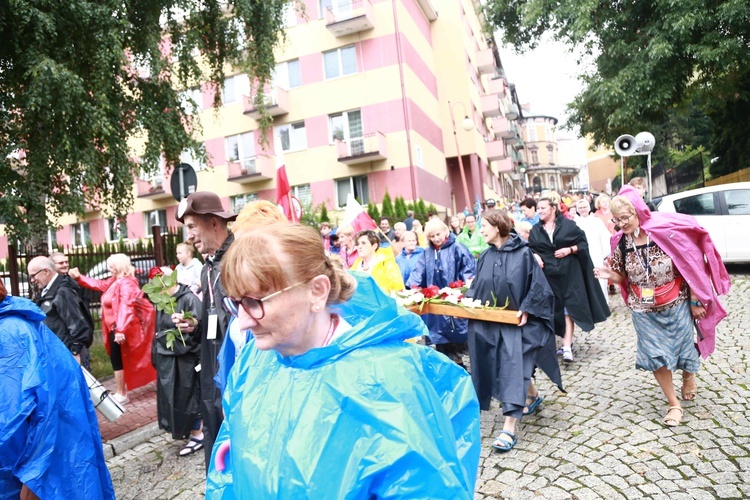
(298, 374)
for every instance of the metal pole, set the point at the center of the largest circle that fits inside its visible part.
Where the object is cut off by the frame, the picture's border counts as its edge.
(648, 160)
(458, 153)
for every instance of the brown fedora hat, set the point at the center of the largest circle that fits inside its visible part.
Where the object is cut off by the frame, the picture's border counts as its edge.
(203, 203)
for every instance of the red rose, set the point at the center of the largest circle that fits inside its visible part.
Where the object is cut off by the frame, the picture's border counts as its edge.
(430, 292)
(456, 284)
(154, 272)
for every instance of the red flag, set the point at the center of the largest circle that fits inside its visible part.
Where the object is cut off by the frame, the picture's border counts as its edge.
(284, 194)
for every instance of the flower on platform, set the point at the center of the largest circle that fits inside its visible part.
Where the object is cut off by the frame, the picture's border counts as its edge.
(431, 292)
(456, 284)
(154, 272)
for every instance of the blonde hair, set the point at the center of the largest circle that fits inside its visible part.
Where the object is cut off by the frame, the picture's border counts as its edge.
(345, 230)
(186, 245)
(277, 256)
(434, 226)
(601, 198)
(620, 206)
(121, 264)
(257, 213)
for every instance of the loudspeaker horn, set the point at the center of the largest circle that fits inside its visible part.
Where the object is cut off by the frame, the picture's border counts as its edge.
(625, 145)
(645, 142)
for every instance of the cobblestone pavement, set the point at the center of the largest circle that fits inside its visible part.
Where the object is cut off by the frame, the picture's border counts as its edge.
(603, 439)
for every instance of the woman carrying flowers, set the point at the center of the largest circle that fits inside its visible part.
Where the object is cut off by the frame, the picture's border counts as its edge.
(503, 356)
(443, 262)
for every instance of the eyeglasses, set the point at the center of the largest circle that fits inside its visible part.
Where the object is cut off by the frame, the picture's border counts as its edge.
(621, 220)
(253, 306)
(33, 276)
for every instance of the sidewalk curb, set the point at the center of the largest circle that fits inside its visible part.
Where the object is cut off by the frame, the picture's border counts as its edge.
(120, 444)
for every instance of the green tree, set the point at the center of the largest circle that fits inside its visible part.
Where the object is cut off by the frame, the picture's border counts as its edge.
(372, 211)
(400, 207)
(651, 60)
(432, 208)
(324, 213)
(387, 206)
(420, 208)
(81, 78)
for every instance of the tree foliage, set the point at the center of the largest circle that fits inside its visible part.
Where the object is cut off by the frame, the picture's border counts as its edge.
(81, 78)
(652, 59)
(387, 209)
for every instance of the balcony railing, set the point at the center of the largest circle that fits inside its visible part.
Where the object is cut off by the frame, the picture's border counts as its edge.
(154, 189)
(490, 105)
(276, 100)
(504, 128)
(496, 150)
(255, 169)
(486, 62)
(349, 16)
(504, 165)
(369, 147)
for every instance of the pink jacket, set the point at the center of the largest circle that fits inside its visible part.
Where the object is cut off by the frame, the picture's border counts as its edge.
(695, 256)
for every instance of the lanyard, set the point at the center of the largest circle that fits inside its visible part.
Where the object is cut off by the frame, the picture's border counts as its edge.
(210, 286)
(331, 329)
(644, 264)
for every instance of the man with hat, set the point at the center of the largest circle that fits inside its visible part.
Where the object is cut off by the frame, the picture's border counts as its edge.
(206, 223)
(490, 203)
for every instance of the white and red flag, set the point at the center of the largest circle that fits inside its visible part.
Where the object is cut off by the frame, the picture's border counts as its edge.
(355, 216)
(284, 196)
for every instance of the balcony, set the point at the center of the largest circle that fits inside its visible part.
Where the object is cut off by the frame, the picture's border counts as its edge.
(504, 165)
(153, 189)
(496, 150)
(490, 105)
(277, 103)
(369, 147)
(249, 170)
(496, 86)
(349, 16)
(486, 62)
(504, 128)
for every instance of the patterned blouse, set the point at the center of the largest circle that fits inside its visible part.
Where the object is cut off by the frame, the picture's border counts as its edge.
(661, 271)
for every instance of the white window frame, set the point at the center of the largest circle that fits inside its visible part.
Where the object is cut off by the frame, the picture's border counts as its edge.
(162, 217)
(280, 77)
(347, 133)
(290, 14)
(242, 146)
(187, 157)
(191, 100)
(78, 232)
(108, 225)
(297, 136)
(531, 133)
(340, 61)
(238, 202)
(303, 193)
(361, 178)
(240, 87)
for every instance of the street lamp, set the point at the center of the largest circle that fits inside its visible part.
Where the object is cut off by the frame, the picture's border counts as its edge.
(467, 124)
(641, 144)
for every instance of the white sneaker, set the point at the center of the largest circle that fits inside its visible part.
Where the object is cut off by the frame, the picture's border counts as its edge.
(567, 355)
(121, 399)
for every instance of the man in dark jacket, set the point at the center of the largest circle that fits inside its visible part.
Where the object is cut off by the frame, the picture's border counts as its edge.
(59, 300)
(206, 222)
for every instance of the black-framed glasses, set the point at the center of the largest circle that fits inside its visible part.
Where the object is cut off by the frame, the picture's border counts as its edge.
(621, 220)
(253, 306)
(33, 276)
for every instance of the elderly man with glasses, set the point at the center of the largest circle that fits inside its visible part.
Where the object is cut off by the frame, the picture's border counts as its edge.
(67, 315)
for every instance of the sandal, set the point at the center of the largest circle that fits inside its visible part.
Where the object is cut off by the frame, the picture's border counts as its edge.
(673, 421)
(503, 445)
(532, 403)
(191, 447)
(689, 391)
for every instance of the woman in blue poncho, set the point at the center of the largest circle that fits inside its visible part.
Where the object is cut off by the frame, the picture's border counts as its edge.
(326, 400)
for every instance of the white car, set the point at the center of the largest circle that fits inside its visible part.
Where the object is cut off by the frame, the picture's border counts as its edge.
(724, 211)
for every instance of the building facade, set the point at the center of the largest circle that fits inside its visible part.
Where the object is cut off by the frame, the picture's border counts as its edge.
(540, 154)
(368, 96)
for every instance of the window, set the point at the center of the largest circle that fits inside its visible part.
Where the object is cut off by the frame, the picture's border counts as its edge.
(339, 8)
(155, 178)
(340, 62)
(292, 137)
(188, 157)
(80, 234)
(191, 100)
(117, 229)
(303, 193)
(357, 186)
(551, 152)
(347, 127)
(531, 132)
(534, 156)
(287, 75)
(237, 203)
(234, 88)
(241, 147)
(290, 14)
(51, 239)
(701, 204)
(155, 217)
(738, 201)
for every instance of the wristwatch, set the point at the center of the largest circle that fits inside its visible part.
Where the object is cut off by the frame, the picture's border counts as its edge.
(696, 303)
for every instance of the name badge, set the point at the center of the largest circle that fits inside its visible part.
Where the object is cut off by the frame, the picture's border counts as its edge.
(648, 295)
(213, 324)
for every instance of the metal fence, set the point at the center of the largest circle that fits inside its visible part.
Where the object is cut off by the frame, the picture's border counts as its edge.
(159, 250)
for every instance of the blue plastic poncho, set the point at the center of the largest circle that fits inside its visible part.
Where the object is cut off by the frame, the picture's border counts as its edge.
(49, 435)
(367, 416)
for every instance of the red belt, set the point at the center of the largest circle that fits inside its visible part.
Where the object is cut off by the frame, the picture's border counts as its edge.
(663, 294)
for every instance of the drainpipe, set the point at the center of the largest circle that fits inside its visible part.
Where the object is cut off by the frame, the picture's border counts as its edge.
(407, 122)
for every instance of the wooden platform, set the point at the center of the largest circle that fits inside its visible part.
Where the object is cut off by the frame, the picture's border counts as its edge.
(494, 315)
